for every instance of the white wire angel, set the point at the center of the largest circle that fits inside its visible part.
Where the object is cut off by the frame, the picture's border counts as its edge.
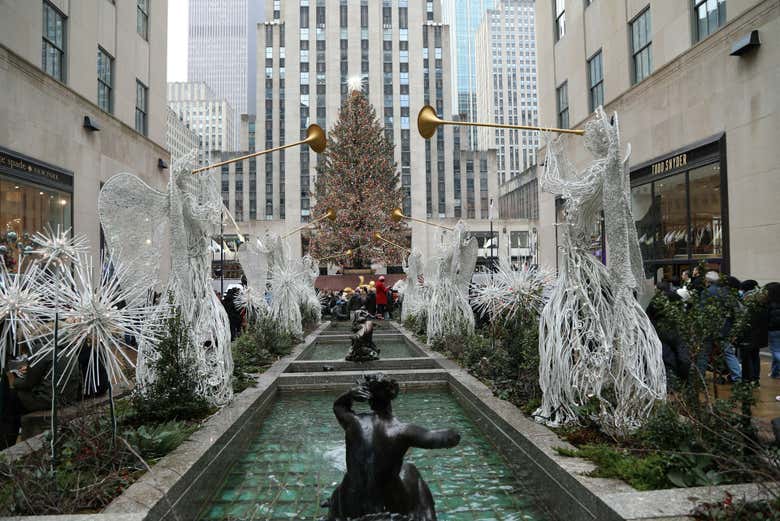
(254, 262)
(448, 307)
(137, 219)
(412, 290)
(593, 334)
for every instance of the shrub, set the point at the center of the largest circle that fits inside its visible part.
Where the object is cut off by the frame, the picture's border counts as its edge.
(642, 473)
(417, 324)
(731, 509)
(173, 394)
(256, 349)
(154, 442)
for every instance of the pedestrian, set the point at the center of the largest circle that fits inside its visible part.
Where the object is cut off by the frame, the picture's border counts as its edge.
(370, 302)
(381, 298)
(754, 330)
(234, 316)
(773, 326)
(720, 295)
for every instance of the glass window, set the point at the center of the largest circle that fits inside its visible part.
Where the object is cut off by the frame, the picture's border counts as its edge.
(710, 15)
(26, 209)
(53, 49)
(706, 219)
(560, 19)
(670, 196)
(562, 96)
(645, 218)
(141, 107)
(641, 47)
(105, 64)
(142, 18)
(519, 239)
(596, 80)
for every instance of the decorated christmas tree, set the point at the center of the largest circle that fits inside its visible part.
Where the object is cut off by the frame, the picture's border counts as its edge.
(357, 177)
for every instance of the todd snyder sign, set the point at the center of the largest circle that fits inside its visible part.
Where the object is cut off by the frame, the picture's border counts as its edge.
(34, 171)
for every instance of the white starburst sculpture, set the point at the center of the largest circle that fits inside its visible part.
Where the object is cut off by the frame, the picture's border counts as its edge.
(512, 291)
(288, 288)
(57, 246)
(448, 280)
(254, 262)
(310, 301)
(23, 309)
(139, 221)
(594, 335)
(95, 316)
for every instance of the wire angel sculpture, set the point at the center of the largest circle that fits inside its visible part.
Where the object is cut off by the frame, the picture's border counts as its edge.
(254, 262)
(23, 308)
(412, 289)
(96, 316)
(594, 334)
(310, 301)
(139, 221)
(512, 291)
(448, 307)
(287, 288)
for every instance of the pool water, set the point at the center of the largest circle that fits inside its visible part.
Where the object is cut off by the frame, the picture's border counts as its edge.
(337, 351)
(297, 459)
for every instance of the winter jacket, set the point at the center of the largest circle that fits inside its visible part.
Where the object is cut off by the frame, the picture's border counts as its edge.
(774, 316)
(381, 293)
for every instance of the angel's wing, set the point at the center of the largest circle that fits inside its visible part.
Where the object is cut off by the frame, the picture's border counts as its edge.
(135, 220)
(254, 262)
(468, 261)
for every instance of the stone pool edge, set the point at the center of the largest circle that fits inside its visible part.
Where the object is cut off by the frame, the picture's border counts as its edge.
(157, 493)
(602, 499)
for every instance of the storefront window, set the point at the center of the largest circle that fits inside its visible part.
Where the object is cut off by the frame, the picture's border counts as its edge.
(26, 209)
(645, 218)
(672, 204)
(706, 221)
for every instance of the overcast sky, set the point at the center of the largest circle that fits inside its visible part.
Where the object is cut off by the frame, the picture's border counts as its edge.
(177, 40)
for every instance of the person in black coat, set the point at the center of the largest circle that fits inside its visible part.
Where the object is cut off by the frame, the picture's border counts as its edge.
(773, 305)
(676, 353)
(234, 315)
(754, 331)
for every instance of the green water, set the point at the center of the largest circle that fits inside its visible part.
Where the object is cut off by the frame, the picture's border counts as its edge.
(337, 351)
(297, 459)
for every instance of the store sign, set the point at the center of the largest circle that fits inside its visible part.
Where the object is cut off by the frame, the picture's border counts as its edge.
(667, 165)
(32, 170)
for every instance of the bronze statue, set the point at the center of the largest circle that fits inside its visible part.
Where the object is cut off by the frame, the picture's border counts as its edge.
(363, 348)
(378, 484)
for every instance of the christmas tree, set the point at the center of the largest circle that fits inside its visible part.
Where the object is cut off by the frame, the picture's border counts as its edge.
(357, 177)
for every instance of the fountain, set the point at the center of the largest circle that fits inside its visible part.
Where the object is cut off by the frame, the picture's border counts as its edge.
(363, 347)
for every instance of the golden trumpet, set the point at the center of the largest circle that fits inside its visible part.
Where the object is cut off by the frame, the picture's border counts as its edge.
(397, 215)
(347, 253)
(428, 122)
(315, 138)
(379, 237)
(330, 215)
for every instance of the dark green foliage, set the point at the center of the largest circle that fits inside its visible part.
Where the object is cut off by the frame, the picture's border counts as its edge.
(91, 470)
(155, 441)
(642, 473)
(418, 325)
(256, 349)
(173, 395)
(731, 509)
(665, 429)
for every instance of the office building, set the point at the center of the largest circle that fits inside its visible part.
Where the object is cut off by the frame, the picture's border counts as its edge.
(210, 116)
(180, 139)
(83, 98)
(217, 52)
(694, 84)
(506, 85)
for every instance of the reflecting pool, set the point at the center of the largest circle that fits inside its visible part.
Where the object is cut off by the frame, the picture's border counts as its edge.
(390, 348)
(297, 459)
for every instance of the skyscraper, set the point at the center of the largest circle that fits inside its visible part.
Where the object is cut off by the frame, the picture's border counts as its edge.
(218, 52)
(506, 85)
(464, 17)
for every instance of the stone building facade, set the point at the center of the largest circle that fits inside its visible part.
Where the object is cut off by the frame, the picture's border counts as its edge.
(82, 98)
(697, 98)
(180, 139)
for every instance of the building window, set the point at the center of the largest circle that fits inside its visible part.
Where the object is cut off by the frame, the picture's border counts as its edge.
(562, 96)
(560, 19)
(641, 47)
(53, 50)
(142, 19)
(596, 81)
(710, 15)
(141, 107)
(105, 65)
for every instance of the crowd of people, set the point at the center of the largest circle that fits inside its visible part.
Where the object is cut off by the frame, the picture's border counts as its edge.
(746, 318)
(375, 297)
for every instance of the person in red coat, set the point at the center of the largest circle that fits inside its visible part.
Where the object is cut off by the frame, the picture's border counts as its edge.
(381, 297)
